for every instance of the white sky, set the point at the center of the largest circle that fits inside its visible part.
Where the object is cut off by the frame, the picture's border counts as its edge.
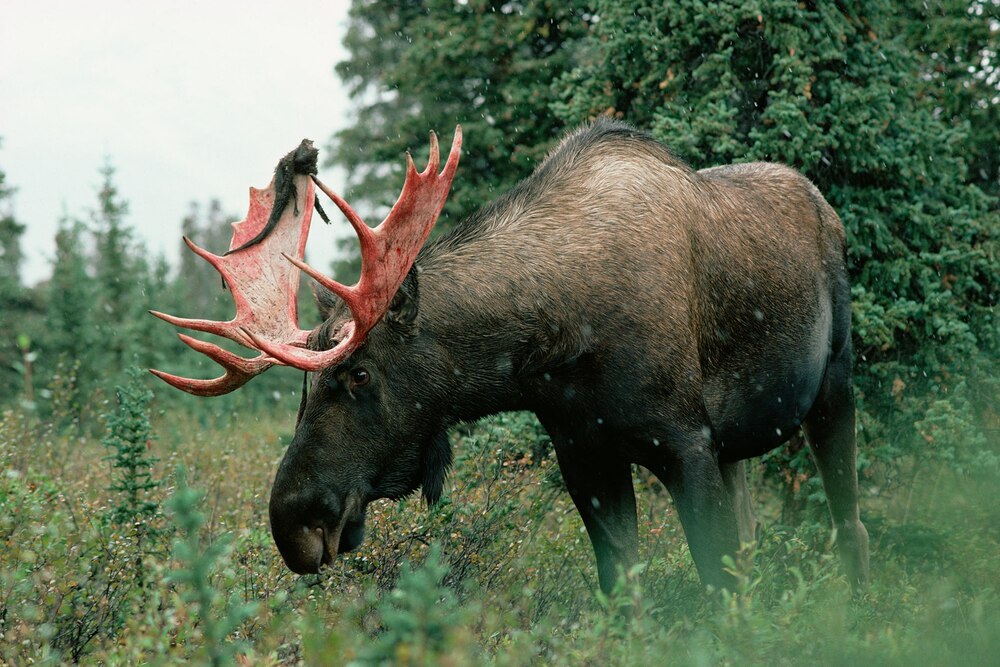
(189, 100)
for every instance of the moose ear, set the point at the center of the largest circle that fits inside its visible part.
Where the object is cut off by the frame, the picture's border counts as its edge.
(404, 306)
(325, 300)
(434, 466)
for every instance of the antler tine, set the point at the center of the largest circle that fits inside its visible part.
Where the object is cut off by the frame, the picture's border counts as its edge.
(207, 326)
(411, 169)
(434, 158)
(453, 156)
(217, 387)
(343, 291)
(211, 258)
(313, 360)
(239, 371)
(224, 358)
(363, 231)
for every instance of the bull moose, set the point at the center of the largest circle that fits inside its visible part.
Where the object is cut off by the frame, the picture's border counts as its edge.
(646, 312)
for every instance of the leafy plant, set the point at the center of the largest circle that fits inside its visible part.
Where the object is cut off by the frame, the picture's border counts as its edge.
(194, 575)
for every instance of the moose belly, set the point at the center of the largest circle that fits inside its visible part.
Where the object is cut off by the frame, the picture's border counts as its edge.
(755, 409)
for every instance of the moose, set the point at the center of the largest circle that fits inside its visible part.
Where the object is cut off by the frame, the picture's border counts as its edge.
(647, 313)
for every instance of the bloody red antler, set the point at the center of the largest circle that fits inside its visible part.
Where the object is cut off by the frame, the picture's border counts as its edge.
(387, 253)
(264, 285)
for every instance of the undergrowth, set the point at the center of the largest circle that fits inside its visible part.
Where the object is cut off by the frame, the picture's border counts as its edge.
(501, 572)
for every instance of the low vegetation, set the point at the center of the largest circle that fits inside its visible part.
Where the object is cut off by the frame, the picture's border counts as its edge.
(114, 555)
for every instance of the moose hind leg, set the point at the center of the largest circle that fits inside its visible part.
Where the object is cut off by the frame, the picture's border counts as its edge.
(734, 476)
(829, 429)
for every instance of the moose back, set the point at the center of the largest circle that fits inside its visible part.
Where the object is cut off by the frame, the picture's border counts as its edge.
(647, 313)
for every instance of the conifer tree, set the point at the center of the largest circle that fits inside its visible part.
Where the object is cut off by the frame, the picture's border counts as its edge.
(417, 66)
(895, 125)
(15, 299)
(71, 340)
(956, 44)
(117, 271)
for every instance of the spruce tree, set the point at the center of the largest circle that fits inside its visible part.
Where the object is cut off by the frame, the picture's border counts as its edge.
(117, 271)
(889, 108)
(418, 66)
(955, 44)
(15, 299)
(71, 340)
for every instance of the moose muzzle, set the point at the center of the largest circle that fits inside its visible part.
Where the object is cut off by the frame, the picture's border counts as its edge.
(311, 529)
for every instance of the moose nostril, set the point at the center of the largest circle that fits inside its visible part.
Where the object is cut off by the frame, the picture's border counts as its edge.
(305, 553)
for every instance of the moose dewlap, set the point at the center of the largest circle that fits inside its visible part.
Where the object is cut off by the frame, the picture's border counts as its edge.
(647, 313)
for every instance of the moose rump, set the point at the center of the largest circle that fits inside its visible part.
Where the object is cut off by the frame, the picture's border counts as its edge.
(647, 313)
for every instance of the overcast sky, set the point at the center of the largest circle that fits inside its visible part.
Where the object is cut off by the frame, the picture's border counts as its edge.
(188, 100)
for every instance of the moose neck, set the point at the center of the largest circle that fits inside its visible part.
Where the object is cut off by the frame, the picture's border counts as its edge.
(489, 302)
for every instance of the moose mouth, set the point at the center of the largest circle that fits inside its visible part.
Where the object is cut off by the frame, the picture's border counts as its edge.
(347, 537)
(313, 547)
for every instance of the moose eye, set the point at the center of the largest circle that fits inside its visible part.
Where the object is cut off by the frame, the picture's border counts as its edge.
(360, 377)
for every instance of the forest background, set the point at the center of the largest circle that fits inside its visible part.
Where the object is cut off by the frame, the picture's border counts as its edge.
(892, 109)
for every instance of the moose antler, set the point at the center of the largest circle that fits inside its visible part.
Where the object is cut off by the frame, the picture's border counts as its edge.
(387, 253)
(264, 285)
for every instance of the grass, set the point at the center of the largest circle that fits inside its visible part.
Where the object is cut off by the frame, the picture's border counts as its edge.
(500, 573)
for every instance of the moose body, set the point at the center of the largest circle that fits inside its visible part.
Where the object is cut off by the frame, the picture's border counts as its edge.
(647, 313)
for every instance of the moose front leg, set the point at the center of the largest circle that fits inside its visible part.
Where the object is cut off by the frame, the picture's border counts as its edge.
(603, 494)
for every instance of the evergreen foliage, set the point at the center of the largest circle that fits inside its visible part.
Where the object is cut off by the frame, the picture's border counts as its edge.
(892, 109)
(416, 66)
(129, 437)
(15, 299)
(118, 264)
(196, 564)
(956, 44)
(421, 617)
(69, 318)
(893, 122)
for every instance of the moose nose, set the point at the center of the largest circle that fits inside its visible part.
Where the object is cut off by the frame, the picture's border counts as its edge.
(299, 522)
(308, 530)
(304, 551)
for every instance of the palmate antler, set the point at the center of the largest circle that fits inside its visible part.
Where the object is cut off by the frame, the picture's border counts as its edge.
(264, 275)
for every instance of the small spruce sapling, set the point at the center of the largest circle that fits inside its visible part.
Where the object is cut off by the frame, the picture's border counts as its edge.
(129, 437)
